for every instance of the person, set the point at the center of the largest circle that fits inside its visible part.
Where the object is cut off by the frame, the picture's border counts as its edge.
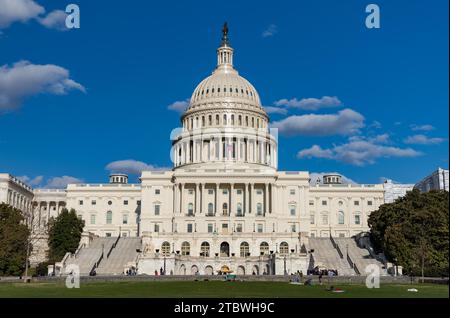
(301, 276)
(156, 272)
(320, 278)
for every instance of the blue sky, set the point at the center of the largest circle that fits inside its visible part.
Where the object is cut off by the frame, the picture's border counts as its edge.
(368, 103)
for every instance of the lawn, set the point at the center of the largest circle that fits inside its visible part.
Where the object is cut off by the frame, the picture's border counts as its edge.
(213, 289)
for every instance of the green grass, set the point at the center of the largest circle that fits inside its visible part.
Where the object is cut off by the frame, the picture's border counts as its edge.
(205, 289)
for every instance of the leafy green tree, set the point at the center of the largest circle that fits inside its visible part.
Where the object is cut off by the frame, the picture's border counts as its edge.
(413, 232)
(64, 234)
(14, 235)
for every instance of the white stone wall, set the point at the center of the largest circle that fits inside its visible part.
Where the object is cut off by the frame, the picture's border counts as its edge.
(394, 191)
(438, 180)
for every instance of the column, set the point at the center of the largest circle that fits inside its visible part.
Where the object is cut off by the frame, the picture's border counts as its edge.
(273, 189)
(251, 198)
(266, 199)
(197, 198)
(203, 199)
(181, 199)
(215, 199)
(247, 201)
(232, 204)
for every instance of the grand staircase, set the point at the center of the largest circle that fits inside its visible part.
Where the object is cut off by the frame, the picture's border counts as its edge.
(326, 255)
(122, 254)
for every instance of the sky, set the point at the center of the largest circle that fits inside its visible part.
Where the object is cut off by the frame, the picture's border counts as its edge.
(78, 103)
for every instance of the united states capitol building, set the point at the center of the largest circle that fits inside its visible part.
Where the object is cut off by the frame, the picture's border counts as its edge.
(223, 207)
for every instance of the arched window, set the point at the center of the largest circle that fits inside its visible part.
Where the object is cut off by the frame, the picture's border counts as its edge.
(185, 248)
(109, 217)
(209, 120)
(245, 249)
(224, 119)
(225, 209)
(284, 248)
(204, 249)
(264, 248)
(232, 119)
(259, 209)
(203, 121)
(190, 209)
(341, 217)
(217, 119)
(239, 209)
(240, 120)
(224, 249)
(165, 248)
(210, 209)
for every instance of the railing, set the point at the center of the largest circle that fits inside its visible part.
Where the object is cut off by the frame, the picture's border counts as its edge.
(353, 265)
(113, 246)
(63, 262)
(96, 265)
(336, 246)
(78, 250)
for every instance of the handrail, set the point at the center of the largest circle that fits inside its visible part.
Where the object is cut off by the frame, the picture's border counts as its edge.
(66, 256)
(336, 246)
(96, 264)
(353, 265)
(78, 250)
(113, 246)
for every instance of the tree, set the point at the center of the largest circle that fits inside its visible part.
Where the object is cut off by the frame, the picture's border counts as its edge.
(64, 235)
(413, 232)
(14, 235)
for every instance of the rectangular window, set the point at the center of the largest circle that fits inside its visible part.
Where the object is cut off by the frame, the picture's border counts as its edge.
(293, 229)
(292, 191)
(189, 228)
(239, 191)
(225, 192)
(311, 202)
(369, 202)
(292, 210)
(356, 202)
(108, 234)
(324, 202)
(92, 218)
(157, 209)
(210, 228)
(210, 191)
(357, 219)
(239, 227)
(324, 219)
(157, 191)
(260, 228)
(80, 202)
(93, 202)
(311, 219)
(125, 219)
(191, 192)
(156, 228)
(259, 192)
(125, 202)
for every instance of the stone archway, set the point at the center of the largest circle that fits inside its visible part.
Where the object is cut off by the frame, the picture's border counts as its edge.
(255, 270)
(224, 249)
(182, 269)
(209, 270)
(240, 270)
(194, 270)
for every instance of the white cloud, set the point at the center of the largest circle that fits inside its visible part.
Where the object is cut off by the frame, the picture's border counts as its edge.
(131, 166)
(422, 127)
(317, 178)
(54, 20)
(270, 31)
(24, 79)
(18, 11)
(275, 110)
(423, 140)
(179, 106)
(358, 152)
(310, 103)
(32, 181)
(345, 122)
(375, 124)
(62, 182)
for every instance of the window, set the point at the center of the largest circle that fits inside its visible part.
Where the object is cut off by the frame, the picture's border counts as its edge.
(324, 219)
(93, 202)
(239, 191)
(244, 249)
(108, 217)
(369, 202)
(204, 249)
(341, 217)
(185, 248)
(92, 218)
(125, 202)
(311, 219)
(157, 191)
(156, 227)
(239, 227)
(225, 209)
(292, 210)
(311, 202)
(284, 248)
(108, 234)
(125, 219)
(191, 192)
(259, 228)
(356, 203)
(259, 209)
(259, 192)
(189, 228)
(165, 248)
(190, 209)
(357, 219)
(210, 209)
(293, 228)
(210, 228)
(264, 248)
(109, 202)
(80, 202)
(157, 209)
(292, 191)
(210, 191)
(224, 192)
(239, 209)
(324, 202)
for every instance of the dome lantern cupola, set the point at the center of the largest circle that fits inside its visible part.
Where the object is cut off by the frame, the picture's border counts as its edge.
(225, 51)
